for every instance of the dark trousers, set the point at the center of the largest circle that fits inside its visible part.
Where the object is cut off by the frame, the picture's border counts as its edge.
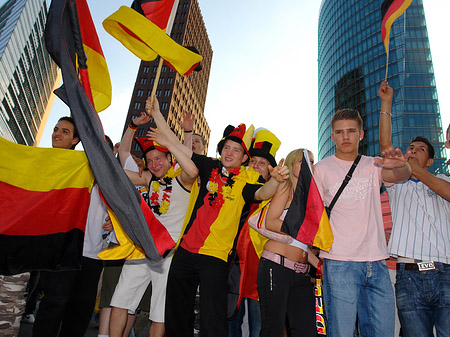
(69, 300)
(186, 272)
(286, 299)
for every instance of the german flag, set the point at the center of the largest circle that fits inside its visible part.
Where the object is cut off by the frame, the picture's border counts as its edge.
(306, 219)
(44, 201)
(157, 11)
(146, 40)
(119, 192)
(390, 11)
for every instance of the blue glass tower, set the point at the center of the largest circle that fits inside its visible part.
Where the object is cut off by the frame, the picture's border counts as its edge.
(352, 63)
(27, 72)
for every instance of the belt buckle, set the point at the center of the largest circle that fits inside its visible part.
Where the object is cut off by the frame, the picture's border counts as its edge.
(426, 265)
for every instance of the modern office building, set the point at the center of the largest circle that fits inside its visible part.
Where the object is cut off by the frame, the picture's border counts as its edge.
(176, 93)
(27, 73)
(352, 64)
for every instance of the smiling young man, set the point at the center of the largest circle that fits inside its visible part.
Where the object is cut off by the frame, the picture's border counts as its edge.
(226, 187)
(356, 279)
(65, 135)
(420, 237)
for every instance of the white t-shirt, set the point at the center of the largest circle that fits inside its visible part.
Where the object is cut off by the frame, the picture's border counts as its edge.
(356, 218)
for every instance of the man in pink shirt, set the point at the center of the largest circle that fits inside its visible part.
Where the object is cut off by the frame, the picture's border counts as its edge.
(356, 279)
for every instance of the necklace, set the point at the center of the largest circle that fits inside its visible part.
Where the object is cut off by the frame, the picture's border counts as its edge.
(155, 205)
(219, 190)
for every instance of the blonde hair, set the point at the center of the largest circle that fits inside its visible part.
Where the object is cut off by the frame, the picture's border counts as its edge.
(293, 157)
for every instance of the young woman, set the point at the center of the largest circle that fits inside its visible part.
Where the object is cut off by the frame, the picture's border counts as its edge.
(285, 290)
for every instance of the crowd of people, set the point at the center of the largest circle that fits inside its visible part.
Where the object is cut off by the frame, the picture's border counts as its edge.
(206, 205)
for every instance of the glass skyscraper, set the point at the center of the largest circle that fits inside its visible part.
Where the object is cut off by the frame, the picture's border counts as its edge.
(27, 73)
(352, 63)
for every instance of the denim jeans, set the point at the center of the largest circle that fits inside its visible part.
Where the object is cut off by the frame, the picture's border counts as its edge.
(254, 319)
(423, 300)
(360, 289)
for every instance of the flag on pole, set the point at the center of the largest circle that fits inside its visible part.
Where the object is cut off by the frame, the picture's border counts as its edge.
(44, 201)
(116, 188)
(146, 40)
(157, 11)
(390, 11)
(306, 219)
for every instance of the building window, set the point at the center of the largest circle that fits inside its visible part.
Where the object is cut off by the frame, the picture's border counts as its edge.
(161, 81)
(158, 93)
(152, 80)
(140, 93)
(169, 80)
(155, 69)
(141, 133)
(143, 80)
(166, 93)
(186, 5)
(149, 92)
(164, 69)
(137, 105)
(164, 106)
(146, 69)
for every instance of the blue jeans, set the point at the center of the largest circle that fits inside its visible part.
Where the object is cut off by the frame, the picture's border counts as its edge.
(360, 289)
(423, 300)
(254, 319)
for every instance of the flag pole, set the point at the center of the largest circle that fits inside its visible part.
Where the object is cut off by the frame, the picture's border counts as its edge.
(168, 31)
(387, 63)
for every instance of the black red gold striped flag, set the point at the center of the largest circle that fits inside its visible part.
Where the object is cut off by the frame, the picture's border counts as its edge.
(44, 201)
(306, 219)
(116, 188)
(390, 11)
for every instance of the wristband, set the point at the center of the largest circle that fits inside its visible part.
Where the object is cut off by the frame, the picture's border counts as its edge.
(185, 131)
(132, 126)
(385, 113)
(319, 268)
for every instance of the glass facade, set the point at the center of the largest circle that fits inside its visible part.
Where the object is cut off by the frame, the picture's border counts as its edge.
(27, 73)
(352, 64)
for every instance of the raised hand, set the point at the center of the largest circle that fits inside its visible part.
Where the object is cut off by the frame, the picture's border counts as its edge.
(152, 106)
(188, 121)
(392, 158)
(142, 119)
(158, 136)
(280, 173)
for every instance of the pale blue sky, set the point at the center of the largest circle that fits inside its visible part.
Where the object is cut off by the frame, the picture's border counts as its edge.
(264, 69)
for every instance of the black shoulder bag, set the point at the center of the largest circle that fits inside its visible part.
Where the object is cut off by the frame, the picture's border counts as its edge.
(344, 183)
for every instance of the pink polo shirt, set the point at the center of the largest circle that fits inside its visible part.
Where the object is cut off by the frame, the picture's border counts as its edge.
(356, 218)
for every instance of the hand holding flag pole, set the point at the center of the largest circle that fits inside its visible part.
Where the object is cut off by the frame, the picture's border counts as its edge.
(390, 11)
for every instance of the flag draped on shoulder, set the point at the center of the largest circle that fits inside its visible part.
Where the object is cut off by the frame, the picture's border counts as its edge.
(306, 219)
(390, 11)
(147, 39)
(116, 188)
(44, 201)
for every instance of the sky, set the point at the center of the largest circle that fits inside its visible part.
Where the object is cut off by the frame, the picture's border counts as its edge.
(264, 68)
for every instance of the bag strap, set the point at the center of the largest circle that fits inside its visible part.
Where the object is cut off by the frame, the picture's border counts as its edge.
(345, 182)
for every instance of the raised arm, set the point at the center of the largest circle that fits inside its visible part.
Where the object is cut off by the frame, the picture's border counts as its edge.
(395, 166)
(278, 175)
(189, 171)
(440, 186)
(127, 139)
(187, 125)
(385, 127)
(152, 107)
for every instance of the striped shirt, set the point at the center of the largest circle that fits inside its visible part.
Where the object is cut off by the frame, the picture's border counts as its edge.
(421, 222)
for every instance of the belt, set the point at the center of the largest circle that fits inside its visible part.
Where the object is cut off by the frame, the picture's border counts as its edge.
(420, 265)
(298, 267)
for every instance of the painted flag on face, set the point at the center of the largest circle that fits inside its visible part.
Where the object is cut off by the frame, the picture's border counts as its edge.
(146, 40)
(306, 219)
(390, 11)
(44, 201)
(116, 188)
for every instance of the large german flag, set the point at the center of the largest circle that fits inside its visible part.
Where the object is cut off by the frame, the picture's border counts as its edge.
(390, 11)
(306, 219)
(44, 199)
(146, 40)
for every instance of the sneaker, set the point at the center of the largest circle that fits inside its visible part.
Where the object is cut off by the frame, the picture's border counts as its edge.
(28, 318)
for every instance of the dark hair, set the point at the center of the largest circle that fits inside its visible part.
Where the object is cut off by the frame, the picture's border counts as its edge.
(110, 143)
(427, 142)
(75, 131)
(347, 114)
